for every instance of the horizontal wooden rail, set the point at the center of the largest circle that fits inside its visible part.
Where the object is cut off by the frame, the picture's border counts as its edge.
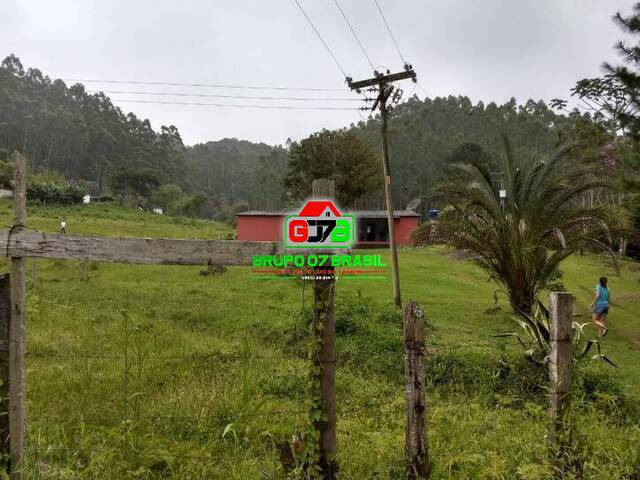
(164, 251)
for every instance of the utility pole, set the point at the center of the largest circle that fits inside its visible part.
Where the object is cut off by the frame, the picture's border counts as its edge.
(383, 84)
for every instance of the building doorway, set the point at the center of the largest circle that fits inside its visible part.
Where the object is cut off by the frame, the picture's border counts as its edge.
(373, 230)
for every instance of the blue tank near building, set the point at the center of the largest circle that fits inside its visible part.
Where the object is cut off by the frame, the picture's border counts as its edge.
(433, 214)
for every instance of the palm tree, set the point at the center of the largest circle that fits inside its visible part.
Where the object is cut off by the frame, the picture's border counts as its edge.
(521, 239)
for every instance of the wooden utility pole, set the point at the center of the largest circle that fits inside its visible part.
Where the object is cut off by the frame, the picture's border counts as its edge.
(5, 322)
(383, 83)
(416, 403)
(325, 362)
(559, 367)
(17, 328)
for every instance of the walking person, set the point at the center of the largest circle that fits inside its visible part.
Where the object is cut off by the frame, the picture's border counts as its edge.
(63, 226)
(600, 306)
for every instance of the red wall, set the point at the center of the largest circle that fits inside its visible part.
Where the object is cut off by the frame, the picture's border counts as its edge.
(267, 228)
(404, 226)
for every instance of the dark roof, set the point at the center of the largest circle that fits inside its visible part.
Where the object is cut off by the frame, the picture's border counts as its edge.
(357, 213)
(383, 213)
(259, 213)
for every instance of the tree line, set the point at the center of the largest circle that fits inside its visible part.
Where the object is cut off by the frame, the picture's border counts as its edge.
(87, 138)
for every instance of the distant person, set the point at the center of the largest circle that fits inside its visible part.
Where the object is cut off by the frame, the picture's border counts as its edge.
(63, 226)
(600, 306)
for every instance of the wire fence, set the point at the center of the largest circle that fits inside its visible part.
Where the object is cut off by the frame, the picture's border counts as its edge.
(65, 436)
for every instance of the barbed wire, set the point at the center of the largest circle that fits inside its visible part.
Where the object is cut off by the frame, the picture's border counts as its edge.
(79, 450)
(346, 355)
(150, 418)
(164, 357)
(391, 353)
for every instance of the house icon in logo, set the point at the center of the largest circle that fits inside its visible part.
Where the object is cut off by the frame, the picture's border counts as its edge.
(320, 209)
(319, 225)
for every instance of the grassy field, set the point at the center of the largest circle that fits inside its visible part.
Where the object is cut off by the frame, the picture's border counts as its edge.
(114, 220)
(210, 372)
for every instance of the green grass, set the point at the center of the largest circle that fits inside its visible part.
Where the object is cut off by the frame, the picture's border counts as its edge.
(183, 380)
(113, 220)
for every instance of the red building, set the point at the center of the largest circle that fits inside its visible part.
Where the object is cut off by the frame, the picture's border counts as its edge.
(371, 230)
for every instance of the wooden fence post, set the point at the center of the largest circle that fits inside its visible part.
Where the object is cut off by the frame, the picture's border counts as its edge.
(416, 429)
(559, 367)
(17, 328)
(325, 332)
(5, 321)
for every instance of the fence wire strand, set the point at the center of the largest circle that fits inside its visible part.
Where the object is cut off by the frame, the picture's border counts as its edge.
(389, 354)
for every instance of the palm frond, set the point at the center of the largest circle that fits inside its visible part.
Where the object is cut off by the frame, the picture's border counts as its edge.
(542, 221)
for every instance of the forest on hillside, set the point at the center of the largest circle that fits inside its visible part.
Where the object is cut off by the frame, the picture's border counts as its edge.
(425, 133)
(88, 139)
(83, 139)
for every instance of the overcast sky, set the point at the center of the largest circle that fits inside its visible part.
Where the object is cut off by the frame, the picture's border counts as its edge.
(489, 50)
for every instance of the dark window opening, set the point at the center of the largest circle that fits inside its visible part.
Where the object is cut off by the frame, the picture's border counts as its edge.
(373, 230)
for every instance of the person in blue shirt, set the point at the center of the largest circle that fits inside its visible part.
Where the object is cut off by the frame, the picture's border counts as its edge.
(600, 306)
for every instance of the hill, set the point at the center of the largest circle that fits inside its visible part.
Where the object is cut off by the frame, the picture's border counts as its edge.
(86, 137)
(110, 219)
(234, 171)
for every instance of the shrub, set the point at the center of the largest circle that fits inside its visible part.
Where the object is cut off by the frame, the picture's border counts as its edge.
(6, 174)
(196, 206)
(169, 196)
(50, 192)
(45, 192)
(476, 372)
(422, 235)
(426, 234)
(73, 193)
(535, 334)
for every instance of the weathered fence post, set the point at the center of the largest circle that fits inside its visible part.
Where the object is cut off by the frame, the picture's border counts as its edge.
(5, 321)
(325, 333)
(416, 428)
(559, 367)
(17, 328)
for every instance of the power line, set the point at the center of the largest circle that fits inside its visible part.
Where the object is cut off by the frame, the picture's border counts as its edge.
(321, 39)
(279, 107)
(423, 90)
(355, 35)
(390, 32)
(209, 95)
(204, 85)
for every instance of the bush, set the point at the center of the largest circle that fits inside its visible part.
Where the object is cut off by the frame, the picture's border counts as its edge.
(170, 197)
(355, 312)
(512, 381)
(196, 206)
(73, 194)
(6, 174)
(605, 392)
(45, 192)
(426, 234)
(352, 312)
(49, 192)
(473, 371)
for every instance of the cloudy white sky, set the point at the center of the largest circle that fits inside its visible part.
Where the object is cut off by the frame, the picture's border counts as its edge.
(489, 50)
